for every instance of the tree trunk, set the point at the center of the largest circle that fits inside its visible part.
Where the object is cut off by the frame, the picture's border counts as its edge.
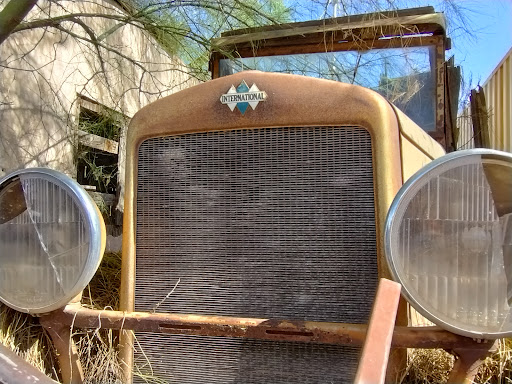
(13, 14)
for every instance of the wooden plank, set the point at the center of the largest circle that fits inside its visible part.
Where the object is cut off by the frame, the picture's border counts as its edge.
(91, 105)
(214, 65)
(98, 142)
(338, 46)
(103, 198)
(335, 20)
(439, 71)
(480, 118)
(475, 119)
(369, 35)
(417, 21)
(452, 90)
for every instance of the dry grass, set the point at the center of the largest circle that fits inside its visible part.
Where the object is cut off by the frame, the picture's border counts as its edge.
(428, 366)
(433, 366)
(498, 367)
(99, 355)
(22, 333)
(103, 290)
(98, 348)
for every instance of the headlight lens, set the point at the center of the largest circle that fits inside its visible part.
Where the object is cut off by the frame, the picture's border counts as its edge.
(52, 238)
(449, 242)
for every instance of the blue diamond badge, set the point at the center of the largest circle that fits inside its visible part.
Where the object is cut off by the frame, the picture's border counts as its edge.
(243, 96)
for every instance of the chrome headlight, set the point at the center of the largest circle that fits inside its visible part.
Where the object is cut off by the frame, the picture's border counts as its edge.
(448, 242)
(52, 238)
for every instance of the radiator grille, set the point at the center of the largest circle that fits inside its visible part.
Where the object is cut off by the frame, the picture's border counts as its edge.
(197, 359)
(267, 223)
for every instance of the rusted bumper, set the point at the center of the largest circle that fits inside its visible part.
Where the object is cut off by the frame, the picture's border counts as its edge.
(268, 329)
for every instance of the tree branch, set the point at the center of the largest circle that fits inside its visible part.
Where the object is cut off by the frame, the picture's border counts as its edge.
(12, 15)
(55, 21)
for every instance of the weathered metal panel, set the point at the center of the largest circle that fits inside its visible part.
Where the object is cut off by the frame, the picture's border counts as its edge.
(465, 139)
(417, 147)
(287, 106)
(498, 91)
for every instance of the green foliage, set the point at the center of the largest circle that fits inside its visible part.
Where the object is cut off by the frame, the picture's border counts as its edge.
(95, 167)
(105, 124)
(186, 28)
(98, 170)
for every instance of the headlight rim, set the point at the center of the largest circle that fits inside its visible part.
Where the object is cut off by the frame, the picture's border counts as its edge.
(417, 181)
(95, 227)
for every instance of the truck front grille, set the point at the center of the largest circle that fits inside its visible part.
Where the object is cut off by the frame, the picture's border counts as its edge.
(265, 223)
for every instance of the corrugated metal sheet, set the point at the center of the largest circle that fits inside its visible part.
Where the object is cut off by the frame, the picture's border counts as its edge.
(498, 94)
(465, 140)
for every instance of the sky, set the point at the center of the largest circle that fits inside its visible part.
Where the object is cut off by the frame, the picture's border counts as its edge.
(480, 30)
(491, 23)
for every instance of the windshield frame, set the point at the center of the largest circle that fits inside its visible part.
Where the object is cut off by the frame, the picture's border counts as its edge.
(418, 27)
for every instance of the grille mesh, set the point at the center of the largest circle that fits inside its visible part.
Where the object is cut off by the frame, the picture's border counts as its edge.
(197, 359)
(267, 223)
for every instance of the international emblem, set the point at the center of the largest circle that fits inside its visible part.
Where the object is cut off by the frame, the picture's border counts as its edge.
(243, 96)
